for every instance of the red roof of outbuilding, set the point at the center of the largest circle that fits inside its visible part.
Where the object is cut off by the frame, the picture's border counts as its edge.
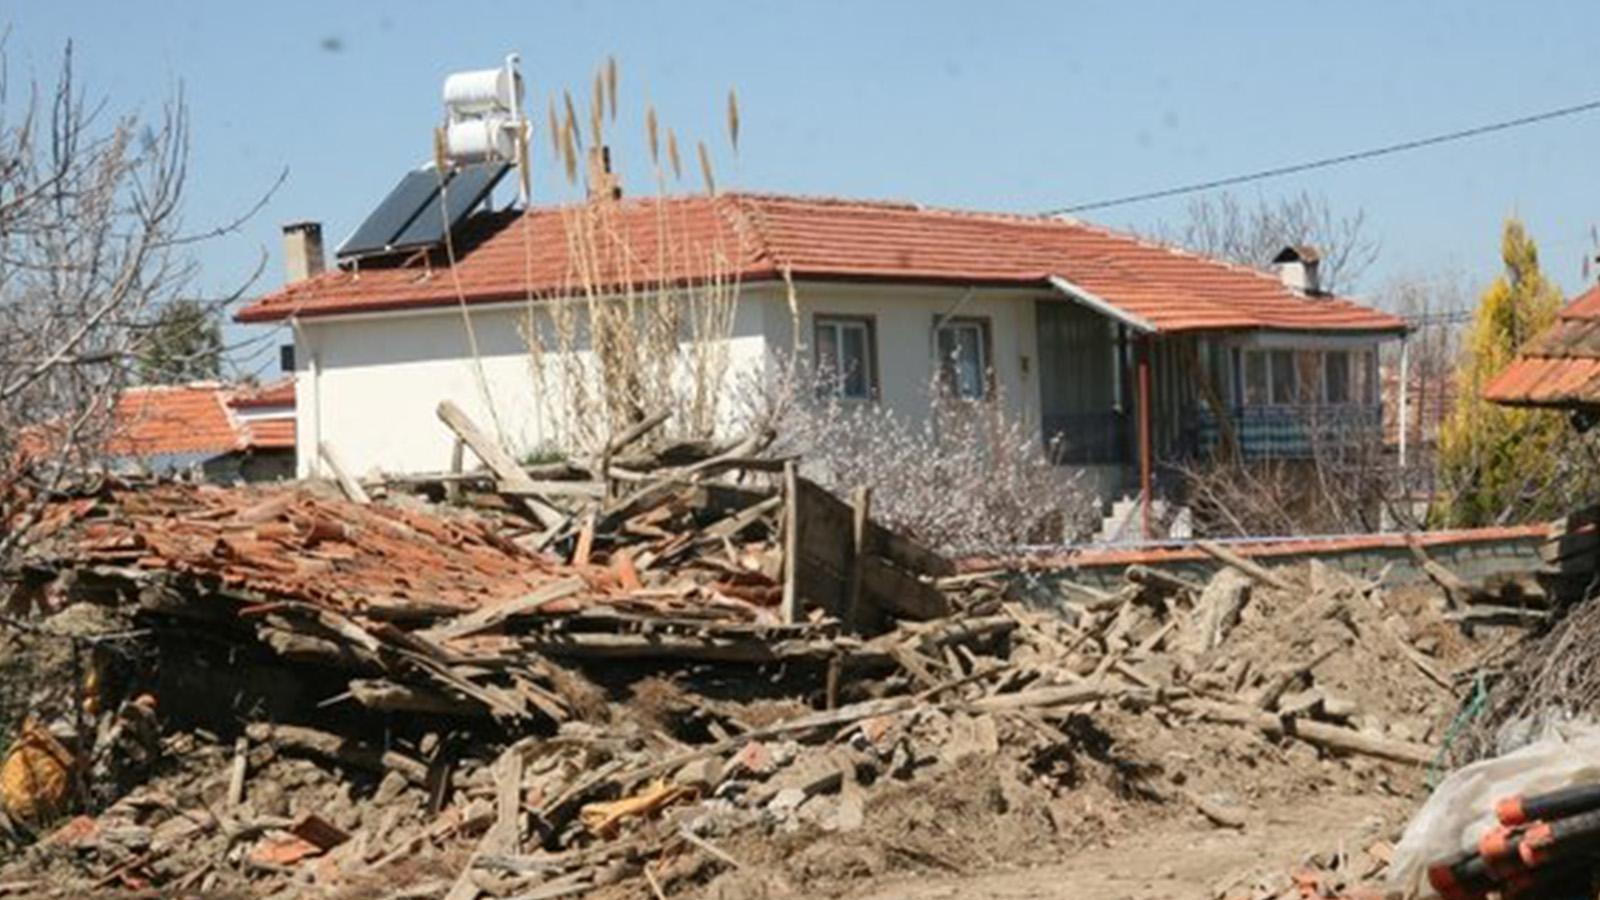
(277, 393)
(514, 256)
(1560, 366)
(179, 420)
(172, 419)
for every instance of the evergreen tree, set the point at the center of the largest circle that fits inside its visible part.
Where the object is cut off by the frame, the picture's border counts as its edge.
(185, 345)
(1496, 461)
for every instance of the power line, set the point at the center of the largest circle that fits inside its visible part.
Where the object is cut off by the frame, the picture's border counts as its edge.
(1341, 159)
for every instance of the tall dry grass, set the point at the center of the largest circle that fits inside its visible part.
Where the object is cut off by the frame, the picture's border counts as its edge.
(643, 318)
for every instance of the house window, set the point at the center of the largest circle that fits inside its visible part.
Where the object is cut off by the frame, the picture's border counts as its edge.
(1285, 383)
(846, 357)
(1364, 376)
(1336, 377)
(963, 349)
(1255, 378)
(1270, 378)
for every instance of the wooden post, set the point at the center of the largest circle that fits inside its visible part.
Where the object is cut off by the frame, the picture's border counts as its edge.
(509, 475)
(861, 509)
(452, 487)
(790, 611)
(1144, 437)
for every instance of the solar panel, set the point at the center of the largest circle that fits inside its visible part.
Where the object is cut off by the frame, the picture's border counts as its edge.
(398, 209)
(463, 192)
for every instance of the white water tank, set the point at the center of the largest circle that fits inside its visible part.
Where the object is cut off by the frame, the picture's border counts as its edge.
(481, 92)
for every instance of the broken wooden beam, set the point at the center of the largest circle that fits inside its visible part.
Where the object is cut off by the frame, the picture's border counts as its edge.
(352, 488)
(1247, 566)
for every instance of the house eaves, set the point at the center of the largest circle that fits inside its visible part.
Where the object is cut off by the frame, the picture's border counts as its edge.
(1101, 305)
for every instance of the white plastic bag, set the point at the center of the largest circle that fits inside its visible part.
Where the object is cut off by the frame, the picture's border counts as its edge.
(1461, 809)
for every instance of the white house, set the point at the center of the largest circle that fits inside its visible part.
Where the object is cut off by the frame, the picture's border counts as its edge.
(1132, 353)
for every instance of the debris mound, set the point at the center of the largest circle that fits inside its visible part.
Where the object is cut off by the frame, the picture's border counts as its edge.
(687, 687)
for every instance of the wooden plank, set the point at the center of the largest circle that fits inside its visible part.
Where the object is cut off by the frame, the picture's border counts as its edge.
(731, 525)
(1248, 567)
(908, 553)
(498, 460)
(825, 524)
(790, 611)
(821, 587)
(509, 475)
(351, 487)
(588, 490)
(452, 488)
(493, 616)
(901, 595)
(636, 431)
(861, 520)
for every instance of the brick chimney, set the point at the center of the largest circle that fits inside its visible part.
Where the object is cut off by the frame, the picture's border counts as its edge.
(302, 251)
(603, 184)
(1297, 269)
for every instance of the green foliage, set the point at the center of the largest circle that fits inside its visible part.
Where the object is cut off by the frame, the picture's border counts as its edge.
(1497, 463)
(184, 344)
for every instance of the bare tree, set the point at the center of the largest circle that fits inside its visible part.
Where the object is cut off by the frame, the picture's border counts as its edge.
(1223, 226)
(969, 477)
(92, 248)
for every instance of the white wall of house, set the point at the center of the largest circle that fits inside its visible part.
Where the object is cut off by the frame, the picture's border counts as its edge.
(370, 385)
(903, 320)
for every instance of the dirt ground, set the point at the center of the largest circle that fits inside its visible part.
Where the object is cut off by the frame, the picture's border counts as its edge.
(1180, 858)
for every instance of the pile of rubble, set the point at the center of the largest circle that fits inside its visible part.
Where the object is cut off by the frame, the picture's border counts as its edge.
(693, 686)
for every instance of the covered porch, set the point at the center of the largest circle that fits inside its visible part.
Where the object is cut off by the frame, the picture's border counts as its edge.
(1136, 403)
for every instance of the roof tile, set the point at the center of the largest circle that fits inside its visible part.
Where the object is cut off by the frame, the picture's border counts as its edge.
(515, 256)
(1560, 366)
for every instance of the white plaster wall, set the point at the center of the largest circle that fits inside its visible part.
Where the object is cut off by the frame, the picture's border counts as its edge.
(903, 318)
(370, 385)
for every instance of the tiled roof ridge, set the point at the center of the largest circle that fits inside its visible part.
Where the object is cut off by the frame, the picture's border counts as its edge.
(1028, 219)
(1186, 253)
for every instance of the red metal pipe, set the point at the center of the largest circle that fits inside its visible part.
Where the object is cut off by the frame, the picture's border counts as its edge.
(1144, 436)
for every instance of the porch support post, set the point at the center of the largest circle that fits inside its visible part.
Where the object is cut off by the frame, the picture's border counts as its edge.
(1404, 413)
(1144, 437)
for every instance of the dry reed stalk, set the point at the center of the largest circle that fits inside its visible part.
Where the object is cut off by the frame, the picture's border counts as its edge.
(642, 323)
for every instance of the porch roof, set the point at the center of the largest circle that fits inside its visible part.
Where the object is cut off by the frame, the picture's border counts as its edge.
(516, 255)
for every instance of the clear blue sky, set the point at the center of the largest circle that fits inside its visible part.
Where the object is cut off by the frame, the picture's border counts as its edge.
(994, 105)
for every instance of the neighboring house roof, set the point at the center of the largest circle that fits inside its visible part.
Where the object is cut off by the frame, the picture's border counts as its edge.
(191, 419)
(1560, 366)
(511, 256)
(269, 434)
(277, 393)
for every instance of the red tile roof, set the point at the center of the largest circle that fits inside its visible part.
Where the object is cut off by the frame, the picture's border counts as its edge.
(191, 419)
(277, 393)
(511, 256)
(171, 420)
(1560, 366)
(269, 434)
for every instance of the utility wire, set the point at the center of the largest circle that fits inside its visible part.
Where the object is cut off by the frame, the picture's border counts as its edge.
(1341, 159)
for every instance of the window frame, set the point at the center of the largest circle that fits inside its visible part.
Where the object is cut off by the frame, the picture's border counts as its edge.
(1349, 397)
(1271, 359)
(840, 321)
(985, 347)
